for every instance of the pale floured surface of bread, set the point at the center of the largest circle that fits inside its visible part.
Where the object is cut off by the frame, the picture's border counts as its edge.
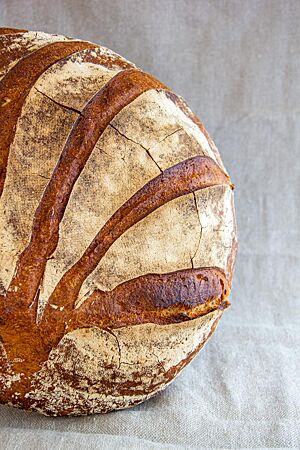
(116, 369)
(25, 43)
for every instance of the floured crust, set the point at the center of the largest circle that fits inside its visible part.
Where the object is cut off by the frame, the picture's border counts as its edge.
(115, 369)
(15, 46)
(116, 203)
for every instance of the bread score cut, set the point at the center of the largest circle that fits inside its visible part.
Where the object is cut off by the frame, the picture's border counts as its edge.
(117, 235)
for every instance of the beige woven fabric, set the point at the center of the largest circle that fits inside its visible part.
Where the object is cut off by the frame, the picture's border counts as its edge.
(237, 63)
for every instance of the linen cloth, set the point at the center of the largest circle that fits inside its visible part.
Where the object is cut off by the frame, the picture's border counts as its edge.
(237, 63)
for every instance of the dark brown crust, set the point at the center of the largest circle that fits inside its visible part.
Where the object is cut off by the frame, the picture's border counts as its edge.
(155, 298)
(16, 84)
(185, 177)
(11, 31)
(97, 114)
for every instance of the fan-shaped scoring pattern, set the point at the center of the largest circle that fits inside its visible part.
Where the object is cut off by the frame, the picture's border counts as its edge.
(108, 178)
(44, 237)
(97, 114)
(36, 149)
(166, 131)
(181, 179)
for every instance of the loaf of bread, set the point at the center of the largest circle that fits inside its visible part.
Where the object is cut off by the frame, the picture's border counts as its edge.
(117, 234)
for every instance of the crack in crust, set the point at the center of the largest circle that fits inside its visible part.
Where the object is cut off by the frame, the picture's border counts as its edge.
(181, 103)
(200, 234)
(147, 150)
(77, 111)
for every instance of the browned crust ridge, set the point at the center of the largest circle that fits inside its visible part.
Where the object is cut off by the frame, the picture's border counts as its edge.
(155, 298)
(11, 31)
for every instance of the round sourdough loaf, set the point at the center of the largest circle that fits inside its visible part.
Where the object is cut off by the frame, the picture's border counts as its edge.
(117, 233)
